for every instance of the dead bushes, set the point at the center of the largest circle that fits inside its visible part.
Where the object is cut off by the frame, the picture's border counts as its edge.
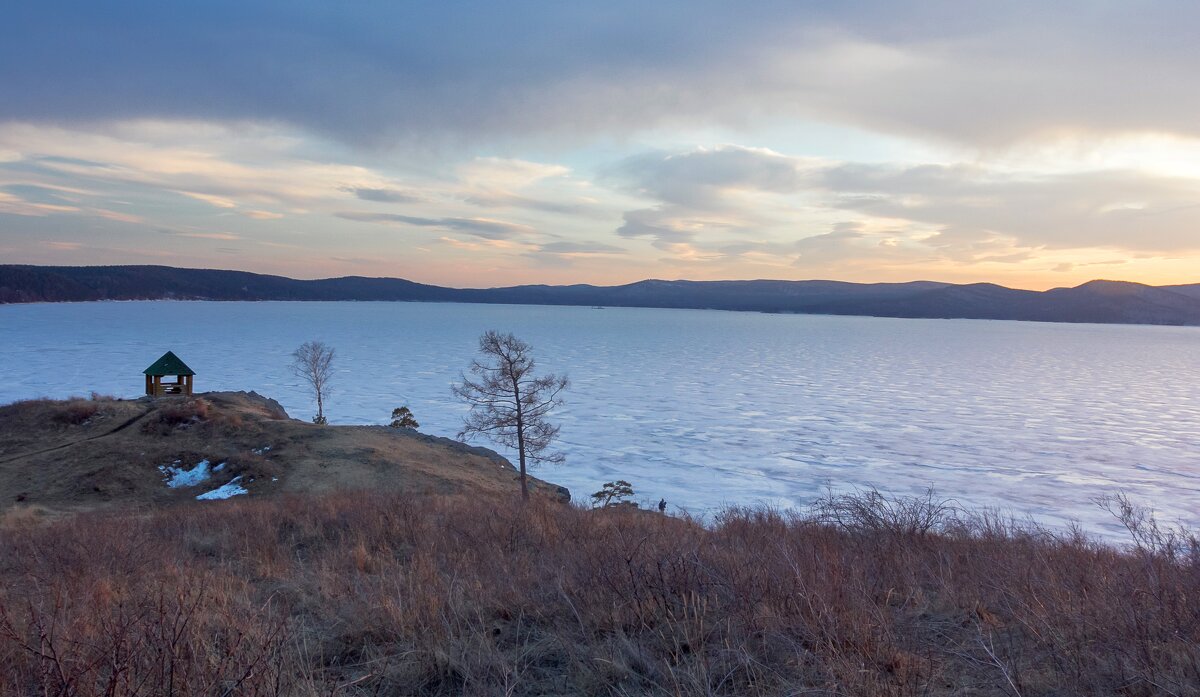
(177, 413)
(75, 412)
(364, 593)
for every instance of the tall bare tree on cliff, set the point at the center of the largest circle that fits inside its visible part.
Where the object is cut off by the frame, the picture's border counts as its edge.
(509, 405)
(313, 362)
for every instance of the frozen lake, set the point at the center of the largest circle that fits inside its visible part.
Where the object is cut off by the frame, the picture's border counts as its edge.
(707, 408)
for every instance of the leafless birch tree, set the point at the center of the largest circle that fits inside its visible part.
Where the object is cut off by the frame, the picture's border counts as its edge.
(313, 362)
(509, 405)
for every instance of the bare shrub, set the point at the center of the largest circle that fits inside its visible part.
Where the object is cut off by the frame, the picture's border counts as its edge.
(228, 422)
(23, 516)
(154, 643)
(252, 466)
(1148, 535)
(870, 511)
(75, 412)
(178, 413)
(361, 593)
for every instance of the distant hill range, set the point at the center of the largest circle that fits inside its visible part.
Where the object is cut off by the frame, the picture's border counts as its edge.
(1110, 302)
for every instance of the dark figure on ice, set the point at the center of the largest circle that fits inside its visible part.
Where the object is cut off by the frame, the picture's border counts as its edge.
(662, 505)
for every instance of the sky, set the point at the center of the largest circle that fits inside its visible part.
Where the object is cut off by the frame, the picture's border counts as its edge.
(479, 144)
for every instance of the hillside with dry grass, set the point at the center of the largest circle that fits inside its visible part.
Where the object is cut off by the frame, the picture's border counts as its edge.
(360, 594)
(84, 454)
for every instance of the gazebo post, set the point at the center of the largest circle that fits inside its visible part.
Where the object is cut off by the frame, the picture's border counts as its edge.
(169, 366)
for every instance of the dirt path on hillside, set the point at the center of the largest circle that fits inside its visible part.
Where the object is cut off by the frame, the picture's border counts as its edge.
(56, 459)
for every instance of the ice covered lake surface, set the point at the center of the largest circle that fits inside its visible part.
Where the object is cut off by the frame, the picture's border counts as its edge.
(708, 408)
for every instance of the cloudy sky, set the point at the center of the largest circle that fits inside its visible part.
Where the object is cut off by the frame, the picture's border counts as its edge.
(482, 143)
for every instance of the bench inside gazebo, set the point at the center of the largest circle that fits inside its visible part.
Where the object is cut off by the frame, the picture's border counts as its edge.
(169, 366)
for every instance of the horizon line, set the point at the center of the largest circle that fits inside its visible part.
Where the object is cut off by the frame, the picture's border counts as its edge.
(592, 285)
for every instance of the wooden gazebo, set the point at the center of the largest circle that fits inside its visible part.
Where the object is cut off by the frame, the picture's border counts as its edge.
(168, 365)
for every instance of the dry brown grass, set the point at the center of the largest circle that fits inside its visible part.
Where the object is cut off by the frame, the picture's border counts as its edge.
(23, 516)
(76, 412)
(359, 594)
(112, 459)
(178, 412)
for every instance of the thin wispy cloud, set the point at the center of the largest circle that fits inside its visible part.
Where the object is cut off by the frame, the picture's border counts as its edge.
(480, 227)
(580, 248)
(384, 195)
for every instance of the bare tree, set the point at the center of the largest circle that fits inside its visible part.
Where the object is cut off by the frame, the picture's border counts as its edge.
(508, 404)
(313, 362)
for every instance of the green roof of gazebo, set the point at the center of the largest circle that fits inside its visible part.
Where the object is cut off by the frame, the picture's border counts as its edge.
(169, 364)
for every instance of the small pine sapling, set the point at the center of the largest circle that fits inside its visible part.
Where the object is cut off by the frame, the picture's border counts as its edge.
(402, 417)
(613, 494)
